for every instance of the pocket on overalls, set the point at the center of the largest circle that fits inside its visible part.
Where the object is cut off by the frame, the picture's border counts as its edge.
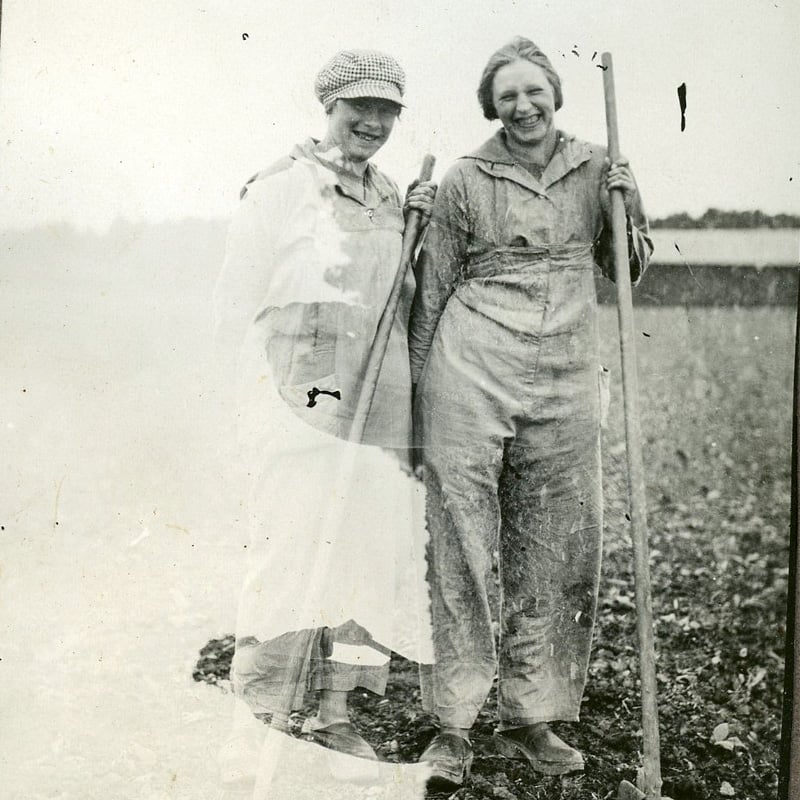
(604, 392)
(316, 402)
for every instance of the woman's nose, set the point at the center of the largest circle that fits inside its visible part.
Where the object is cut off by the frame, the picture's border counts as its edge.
(523, 103)
(372, 117)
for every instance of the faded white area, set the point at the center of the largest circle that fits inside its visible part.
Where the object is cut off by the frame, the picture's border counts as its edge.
(124, 535)
(118, 556)
(153, 111)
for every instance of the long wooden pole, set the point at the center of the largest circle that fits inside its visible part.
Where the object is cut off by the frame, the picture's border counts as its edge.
(381, 339)
(789, 785)
(638, 509)
(320, 565)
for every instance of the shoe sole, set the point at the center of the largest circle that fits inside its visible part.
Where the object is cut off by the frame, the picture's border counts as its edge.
(330, 743)
(443, 780)
(511, 749)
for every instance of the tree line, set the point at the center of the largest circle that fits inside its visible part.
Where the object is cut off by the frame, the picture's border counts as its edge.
(716, 218)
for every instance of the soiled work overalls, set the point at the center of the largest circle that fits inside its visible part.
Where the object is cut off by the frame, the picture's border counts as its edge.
(508, 412)
(333, 585)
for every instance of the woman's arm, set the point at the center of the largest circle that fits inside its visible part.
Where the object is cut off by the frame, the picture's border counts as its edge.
(247, 276)
(640, 246)
(437, 270)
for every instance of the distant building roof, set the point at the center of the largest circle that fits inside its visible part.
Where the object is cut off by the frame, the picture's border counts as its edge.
(755, 247)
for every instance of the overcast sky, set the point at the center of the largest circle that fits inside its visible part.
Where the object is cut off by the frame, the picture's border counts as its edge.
(160, 110)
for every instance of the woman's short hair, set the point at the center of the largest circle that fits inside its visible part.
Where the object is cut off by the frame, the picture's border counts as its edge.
(518, 49)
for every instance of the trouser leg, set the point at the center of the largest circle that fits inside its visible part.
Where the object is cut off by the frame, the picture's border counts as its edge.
(550, 550)
(274, 676)
(349, 659)
(463, 413)
(462, 521)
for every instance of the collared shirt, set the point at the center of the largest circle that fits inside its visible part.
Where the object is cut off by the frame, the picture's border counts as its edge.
(378, 187)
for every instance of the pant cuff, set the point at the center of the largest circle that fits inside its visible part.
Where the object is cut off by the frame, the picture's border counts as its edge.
(338, 677)
(509, 722)
(455, 718)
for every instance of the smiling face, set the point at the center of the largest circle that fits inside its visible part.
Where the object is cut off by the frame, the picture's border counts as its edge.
(525, 104)
(359, 127)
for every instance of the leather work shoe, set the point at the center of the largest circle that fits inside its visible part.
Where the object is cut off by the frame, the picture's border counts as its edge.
(340, 736)
(450, 759)
(544, 751)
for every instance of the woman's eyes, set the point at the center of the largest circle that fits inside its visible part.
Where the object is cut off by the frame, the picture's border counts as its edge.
(508, 98)
(384, 109)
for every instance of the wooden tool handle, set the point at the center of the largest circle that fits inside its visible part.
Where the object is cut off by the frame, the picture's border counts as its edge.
(636, 486)
(384, 329)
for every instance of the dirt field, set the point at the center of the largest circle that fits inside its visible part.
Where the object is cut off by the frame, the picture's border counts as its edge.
(715, 388)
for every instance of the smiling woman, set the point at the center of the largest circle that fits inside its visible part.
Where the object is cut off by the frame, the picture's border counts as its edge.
(520, 88)
(525, 103)
(336, 579)
(362, 93)
(505, 311)
(360, 127)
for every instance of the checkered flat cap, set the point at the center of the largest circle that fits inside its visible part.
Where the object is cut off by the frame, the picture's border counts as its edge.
(360, 73)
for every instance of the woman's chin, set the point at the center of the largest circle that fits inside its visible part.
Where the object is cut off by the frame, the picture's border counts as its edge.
(528, 137)
(361, 150)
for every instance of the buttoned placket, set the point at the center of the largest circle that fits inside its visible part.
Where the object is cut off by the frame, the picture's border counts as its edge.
(369, 210)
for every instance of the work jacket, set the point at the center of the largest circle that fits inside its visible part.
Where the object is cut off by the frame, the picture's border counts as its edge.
(308, 270)
(488, 203)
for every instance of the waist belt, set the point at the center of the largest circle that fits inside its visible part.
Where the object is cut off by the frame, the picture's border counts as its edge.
(503, 260)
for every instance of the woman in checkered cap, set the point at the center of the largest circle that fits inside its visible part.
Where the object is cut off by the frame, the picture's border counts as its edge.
(336, 581)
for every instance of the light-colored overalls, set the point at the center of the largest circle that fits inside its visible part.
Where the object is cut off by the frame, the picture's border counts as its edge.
(503, 341)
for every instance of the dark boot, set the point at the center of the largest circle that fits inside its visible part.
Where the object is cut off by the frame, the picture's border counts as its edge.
(543, 750)
(450, 759)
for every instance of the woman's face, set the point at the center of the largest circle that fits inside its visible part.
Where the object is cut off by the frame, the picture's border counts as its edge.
(524, 101)
(361, 126)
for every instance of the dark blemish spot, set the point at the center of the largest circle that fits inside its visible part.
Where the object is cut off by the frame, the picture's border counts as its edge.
(594, 55)
(575, 52)
(682, 103)
(312, 395)
(245, 37)
(24, 390)
(600, 66)
(627, 516)
(644, 333)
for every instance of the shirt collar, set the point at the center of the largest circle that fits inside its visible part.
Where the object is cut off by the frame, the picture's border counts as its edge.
(494, 157)
(378, 181)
